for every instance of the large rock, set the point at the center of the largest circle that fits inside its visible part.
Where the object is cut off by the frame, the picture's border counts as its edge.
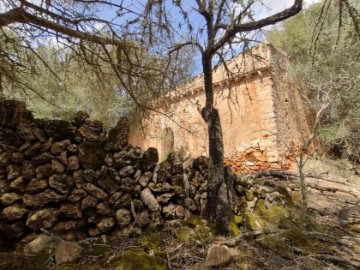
(14, 212)
(123, 217)
(42, 218)
(104, 209)
(165, 197)
(72, 148)
(68, 226)
(17, 158)
(148, 198)
(90, 175)
(13, 231)
(13, 172)
(32, 150)
(57, 166)
(58, 147)
(92, 130)
(201, 164)
(149, 159)
(10, 198)
(143, 219)
(30, 132)
(128, 184)
(76, 195)
(79, 118)
(5, 155)
(91, 155)
(145, 178)
(118, 136)
(44, 171)
(116, 196)
(107, 183)
(95, 191)
(89, 202)
(70, 211)
(59, 130)
(18, 185)
(67, 252)
(37, 185)
(42, 159)
(14, 112)
(10, 138)
(123, 202)
(161, 187)
(41, 243)
(169, 211)
(126, 171)
(43, 198)
(73, 163)
(164, 172)
(218, 255)
(105, 224)
(28, 170)
(62, 183)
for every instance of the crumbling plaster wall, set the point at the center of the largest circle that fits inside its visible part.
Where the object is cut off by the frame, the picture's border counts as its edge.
(261, 114)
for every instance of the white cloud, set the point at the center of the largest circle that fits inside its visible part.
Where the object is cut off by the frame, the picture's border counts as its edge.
(271, 7)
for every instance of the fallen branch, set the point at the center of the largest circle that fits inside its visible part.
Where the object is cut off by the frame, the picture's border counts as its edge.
(290, 176)
(233, 242)
(51, 234)
(335, 259)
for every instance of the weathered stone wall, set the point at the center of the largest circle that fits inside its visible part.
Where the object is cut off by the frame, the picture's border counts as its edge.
(76, 181)
(258, 106)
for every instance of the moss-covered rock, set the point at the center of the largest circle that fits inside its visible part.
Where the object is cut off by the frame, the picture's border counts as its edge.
(299, 238)
(13, 261)
(234, 225)
(275, 244)
(253, 222)
(183, 234)
(249, 195)
(135, 259)
(193, 222)
(151, 241)
(262, 216)
(233, 228)
(201, 232)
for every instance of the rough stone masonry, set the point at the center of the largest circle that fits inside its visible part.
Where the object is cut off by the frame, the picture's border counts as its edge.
(76, 181)
(263, 117)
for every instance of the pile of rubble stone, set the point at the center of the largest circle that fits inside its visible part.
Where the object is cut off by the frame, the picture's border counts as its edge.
(75, 180)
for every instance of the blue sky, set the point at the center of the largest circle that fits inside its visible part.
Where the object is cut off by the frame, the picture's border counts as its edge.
(268, 7)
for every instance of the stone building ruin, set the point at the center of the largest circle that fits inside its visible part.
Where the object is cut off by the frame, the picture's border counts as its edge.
(262, 114)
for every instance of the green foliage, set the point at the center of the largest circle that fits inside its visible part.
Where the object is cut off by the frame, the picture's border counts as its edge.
(56, 81)
(323, 43)
(134, 259)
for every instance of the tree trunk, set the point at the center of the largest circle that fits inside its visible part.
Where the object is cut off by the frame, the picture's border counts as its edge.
(218, 207)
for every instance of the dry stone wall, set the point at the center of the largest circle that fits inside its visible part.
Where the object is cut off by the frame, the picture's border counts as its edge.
(76, 181)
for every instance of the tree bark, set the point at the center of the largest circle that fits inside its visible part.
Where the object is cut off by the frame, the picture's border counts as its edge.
(218, 208)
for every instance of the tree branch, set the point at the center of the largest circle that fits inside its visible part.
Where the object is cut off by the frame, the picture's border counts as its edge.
(19, 15)
(233, 29)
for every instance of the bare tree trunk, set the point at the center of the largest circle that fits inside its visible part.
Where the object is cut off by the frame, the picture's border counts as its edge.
(218, 207)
